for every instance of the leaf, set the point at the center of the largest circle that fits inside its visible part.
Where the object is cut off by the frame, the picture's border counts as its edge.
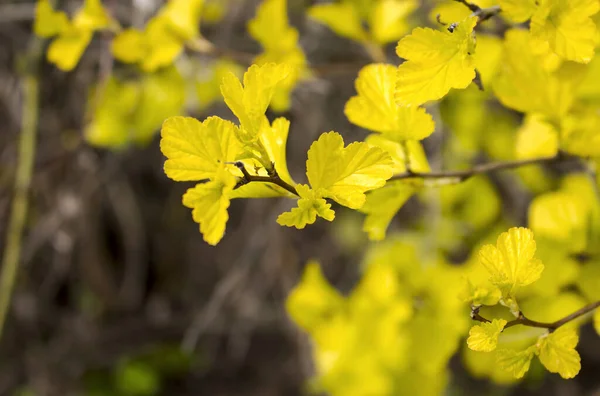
(417, 159)
(274, 140)
(580, 133)
(183, 17)
(209, 202)
(250, 101)
(342, 18)
(435, 63)
(536, 138)
(66, 50)
(129, 46)
(313, 300)
(197, 150)
(511, 263)
(566, 27)
(525, 85)
(92, 16)
(597, 321)
(345, 174)
(208, 83)
(557, 352)
(49, 22)
(518, 11)
(514, 361)
(484, 337)
(382, 205)
(388, 19)
(161, 45)
(310, 205)
(558, 215)
(375, 108)
(480, 295)
(270, 27)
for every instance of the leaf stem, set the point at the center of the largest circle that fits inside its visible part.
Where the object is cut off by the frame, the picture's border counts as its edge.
(274, 179)
(463, 175)
(523, 320)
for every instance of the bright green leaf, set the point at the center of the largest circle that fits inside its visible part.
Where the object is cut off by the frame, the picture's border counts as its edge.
(436, 61)
(484, 337)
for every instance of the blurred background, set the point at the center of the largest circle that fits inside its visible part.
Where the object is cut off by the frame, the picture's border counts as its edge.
(117, 293)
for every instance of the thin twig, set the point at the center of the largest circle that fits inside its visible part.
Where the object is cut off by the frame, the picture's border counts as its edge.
(523, 320)
(274, 179)
(463, 175)
(473, 7)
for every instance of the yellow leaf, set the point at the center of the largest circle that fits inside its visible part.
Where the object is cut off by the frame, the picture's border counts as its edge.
(209, 202)
(557, 352)
(597, 321)
(580, 133)
(559, 216)
(566, 27)
(111, 113)
(435, 63)
(274, 141)
(208, 84)
(536, 138)
(183, 17)
(129, 46)
(480, 295)
(518, 10)
(313, 300)
(342, 18)
(271, 29)
(484, 337)
(250, 101)
(310, 205)
(92, 16)
(514, 361)
(511, 263)
(49, 22)
(417, 160)
(388, 19)
(382, 205)
(163, 45)
(66, 50)
(488, 57)
(525, 85)
(345, 174)
(375, 108)
(196, 150)
(162, 96)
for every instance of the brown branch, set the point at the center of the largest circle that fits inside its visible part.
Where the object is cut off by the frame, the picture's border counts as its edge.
(274, 179)
(523, 320)
(463, 175)
(473, 7)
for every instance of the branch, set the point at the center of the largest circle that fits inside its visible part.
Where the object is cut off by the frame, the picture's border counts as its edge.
(18, 215)
(523, 320)
(463, 175)
(274, 179)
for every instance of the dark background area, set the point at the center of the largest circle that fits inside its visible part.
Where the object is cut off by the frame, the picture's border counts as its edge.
(116, 281)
